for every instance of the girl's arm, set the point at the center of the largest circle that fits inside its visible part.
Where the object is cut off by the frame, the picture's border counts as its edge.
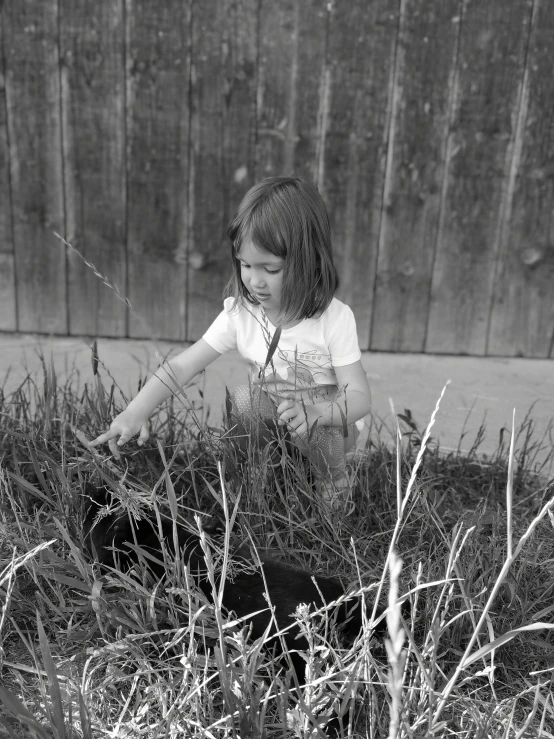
(353, 398)
(169, 378)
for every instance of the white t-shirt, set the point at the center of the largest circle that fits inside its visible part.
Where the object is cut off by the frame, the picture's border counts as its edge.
(303, 362)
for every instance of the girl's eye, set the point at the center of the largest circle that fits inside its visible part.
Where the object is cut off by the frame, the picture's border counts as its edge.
(269, 271)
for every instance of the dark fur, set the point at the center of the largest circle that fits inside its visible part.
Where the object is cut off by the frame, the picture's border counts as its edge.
(287, 586)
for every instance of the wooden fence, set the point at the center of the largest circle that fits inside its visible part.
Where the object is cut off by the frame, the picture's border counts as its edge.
(133, 128)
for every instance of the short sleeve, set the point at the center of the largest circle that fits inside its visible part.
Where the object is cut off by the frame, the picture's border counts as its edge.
(343, 338)
(222, 334)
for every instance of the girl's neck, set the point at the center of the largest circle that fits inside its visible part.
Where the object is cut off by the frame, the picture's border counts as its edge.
(275, 322)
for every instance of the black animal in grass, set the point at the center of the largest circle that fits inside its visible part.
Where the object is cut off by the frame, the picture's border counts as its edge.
(112, 541)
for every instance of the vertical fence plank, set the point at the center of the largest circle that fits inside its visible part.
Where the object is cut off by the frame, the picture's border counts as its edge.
(8, 318)
(522, 318)
(223, 135)
(360, 63)
(34, 125)
(7, 292)
(293, 37)
(158, 87)
(425, 59)
(490, 62)
(93, 114)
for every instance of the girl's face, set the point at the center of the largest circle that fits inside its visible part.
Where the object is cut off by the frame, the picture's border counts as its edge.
(262, 274)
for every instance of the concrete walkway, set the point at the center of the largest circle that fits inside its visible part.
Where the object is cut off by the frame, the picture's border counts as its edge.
(481, 389)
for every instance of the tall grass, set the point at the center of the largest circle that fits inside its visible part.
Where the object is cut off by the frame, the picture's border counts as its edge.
(466, 541)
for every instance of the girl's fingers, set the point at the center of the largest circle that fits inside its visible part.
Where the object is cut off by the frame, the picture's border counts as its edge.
(300, 431)
(288, 410)
(286, 405)
(144, 434)
(296, 424)
(103, 438)
(110, 436)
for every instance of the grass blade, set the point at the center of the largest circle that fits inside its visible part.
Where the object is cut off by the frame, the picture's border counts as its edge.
(17, 709)
(55, 692)
(504, 639)
(510, 489)
(272, 349)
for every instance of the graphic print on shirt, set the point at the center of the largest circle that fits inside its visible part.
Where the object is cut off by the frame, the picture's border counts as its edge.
(308, 374)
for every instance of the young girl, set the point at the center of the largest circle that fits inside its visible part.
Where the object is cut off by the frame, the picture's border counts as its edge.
(282, 316)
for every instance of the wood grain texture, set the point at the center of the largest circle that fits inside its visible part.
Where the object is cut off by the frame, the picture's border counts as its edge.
(34, 127)
(522, 317)
(425, 60)
(158, 47)
(93, 112)
(223, 134)
(7, 292)
(360, 66)
(490, 63)
(134, 129)
(8, 316)
(291, 88)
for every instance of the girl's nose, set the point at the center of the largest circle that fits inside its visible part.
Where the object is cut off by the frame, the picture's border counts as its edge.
(257, 281)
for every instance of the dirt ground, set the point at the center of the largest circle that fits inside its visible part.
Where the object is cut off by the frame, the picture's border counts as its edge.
(481, 390)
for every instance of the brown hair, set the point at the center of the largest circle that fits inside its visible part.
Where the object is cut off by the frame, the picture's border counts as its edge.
(286, 216)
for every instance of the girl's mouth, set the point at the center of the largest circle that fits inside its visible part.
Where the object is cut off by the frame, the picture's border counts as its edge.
(261, 296)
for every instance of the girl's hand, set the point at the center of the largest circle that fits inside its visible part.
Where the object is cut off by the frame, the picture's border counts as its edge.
(124, 426)
(298, 419)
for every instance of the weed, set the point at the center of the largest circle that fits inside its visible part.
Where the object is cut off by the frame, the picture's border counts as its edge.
(86, 654)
